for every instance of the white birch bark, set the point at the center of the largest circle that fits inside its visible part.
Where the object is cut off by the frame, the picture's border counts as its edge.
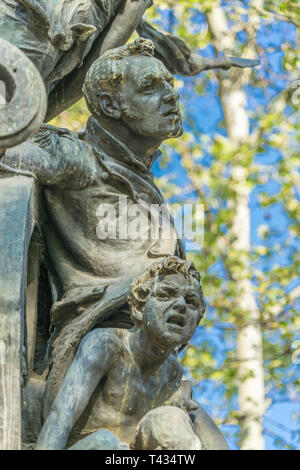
(249, 338)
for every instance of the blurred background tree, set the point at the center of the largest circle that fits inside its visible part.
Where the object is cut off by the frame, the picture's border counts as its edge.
(239, 158)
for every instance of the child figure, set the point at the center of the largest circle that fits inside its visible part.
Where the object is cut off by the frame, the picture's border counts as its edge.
(129, 382)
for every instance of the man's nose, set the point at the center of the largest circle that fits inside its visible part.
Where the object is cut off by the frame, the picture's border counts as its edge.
(171, 96)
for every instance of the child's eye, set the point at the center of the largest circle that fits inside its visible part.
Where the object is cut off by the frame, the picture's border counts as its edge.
(192, 301)
(148, 87)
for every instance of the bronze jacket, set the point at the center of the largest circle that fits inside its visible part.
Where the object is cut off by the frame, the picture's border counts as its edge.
(91, 277)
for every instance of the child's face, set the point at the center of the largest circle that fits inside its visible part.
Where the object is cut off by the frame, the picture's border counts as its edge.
(172, 310)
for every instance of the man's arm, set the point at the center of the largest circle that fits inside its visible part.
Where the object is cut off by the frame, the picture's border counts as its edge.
(97, 352)
(179, 59)
(54, 157)
(124, 24)
(30, 160)
(172, 51)
(209, 434)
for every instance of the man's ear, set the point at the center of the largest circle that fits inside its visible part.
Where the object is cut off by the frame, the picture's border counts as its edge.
(109, 106)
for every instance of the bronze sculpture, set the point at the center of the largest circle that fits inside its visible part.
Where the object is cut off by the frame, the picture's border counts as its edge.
(80, 172)
(64, 37)
(134, 108)
(130, 382)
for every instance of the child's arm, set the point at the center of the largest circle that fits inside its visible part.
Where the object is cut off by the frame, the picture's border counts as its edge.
(96, 353)
(205, 428)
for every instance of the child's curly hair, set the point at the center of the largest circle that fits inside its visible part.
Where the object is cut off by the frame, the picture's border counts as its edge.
(141, 287)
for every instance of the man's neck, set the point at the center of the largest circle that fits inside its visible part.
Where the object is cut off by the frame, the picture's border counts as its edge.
(141, 146)
(148, 355)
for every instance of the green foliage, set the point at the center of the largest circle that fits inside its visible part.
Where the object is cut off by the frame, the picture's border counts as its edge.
(73, 118)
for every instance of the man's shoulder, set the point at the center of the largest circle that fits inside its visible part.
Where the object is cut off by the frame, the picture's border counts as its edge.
(74, 158)
(50, 137)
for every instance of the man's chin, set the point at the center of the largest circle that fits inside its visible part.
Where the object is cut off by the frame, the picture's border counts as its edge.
(180, 132)
(174, 133)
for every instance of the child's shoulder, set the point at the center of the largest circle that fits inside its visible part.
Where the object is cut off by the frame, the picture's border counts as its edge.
(111, 338)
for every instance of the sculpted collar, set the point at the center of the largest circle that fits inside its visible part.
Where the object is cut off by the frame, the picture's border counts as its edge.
(103, 140)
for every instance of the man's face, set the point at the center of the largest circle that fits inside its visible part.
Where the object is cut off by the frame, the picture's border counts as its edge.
(149, 101)
(172, 310)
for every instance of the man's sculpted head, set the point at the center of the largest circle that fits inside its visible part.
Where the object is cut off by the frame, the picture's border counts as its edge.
(167, 301)
(128, 84)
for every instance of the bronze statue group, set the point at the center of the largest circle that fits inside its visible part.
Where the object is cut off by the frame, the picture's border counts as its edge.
(121, 308)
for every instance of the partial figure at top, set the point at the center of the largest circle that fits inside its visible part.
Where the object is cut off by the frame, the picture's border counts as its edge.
(64, 37)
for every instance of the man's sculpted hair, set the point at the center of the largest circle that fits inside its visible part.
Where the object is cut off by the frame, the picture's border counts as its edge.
(141, 287)
(106, 73)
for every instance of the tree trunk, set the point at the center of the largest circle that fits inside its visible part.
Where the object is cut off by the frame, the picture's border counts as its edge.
(249, 338)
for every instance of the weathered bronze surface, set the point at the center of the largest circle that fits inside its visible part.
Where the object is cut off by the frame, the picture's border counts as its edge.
(130, 382)
(108, 374)
(25, 96)
(64, 37)
(79, 173)
(17, 218)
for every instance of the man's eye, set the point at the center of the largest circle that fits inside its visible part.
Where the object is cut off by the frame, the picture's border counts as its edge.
(163, 295)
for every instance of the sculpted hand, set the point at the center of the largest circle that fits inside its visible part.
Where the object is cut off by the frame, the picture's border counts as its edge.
(239, 62)
(199, 63)
(179, 59)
